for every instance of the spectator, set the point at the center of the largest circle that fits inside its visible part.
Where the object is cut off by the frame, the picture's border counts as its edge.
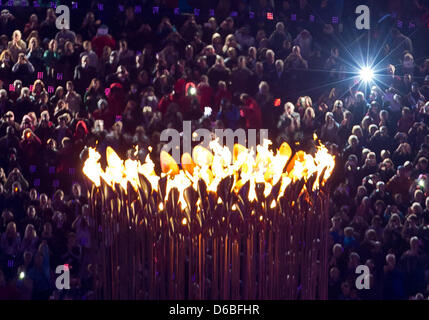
(16, 45)
(83, 75)
(72, 98)
(102, 39)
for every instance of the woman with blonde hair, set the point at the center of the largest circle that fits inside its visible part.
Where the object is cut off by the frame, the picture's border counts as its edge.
(16, 45)
(33, 34)
(30, 240)
(337, 111)
(308, 123)
(10, 241)
(94, 94)
(303, 103)
(38, 88)
(329, 130)
(217, 43)
(51, 57)
(105, 66)
(6, 64)
(358, 132)
(230, 42)
(34, 53)
(33, 118)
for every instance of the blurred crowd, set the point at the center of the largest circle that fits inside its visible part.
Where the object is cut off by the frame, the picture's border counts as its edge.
(120, 79)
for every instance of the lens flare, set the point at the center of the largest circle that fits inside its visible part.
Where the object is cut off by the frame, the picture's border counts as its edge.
(366, 74)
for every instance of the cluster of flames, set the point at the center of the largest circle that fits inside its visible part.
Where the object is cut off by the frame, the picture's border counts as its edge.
(214, 165)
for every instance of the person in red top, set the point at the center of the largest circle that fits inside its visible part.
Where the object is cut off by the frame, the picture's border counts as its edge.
(103, 113)
(30, 144)
(81, 130)
(222, 93)
(251, 112)
(204, 93)
(102, 39)
(406, 121)
(116, 99)
(400, 183)
(177, 96)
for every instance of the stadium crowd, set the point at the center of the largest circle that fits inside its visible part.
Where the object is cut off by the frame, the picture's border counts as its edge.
(121, 80)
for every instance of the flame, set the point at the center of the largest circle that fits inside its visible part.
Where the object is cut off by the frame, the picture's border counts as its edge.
(213, 165)
(92, 167)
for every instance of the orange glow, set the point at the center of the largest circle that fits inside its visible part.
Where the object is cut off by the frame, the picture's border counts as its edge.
(212, 166)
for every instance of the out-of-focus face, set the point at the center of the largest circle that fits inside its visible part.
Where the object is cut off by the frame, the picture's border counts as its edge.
(10, 118)
(85, 61)
(11, 227)
(112, 57)
(31, 212)
(270, 58)
(6, 56)
(53, 45)
(91, 17)
(372, 159)
(21, 58)
(33, 194)
(289, 108)
(129, 13)
(296, 50)
(252, 52)
(202, 63)
(139, 59)
(76, 190)
(69, 46)
(391, 260)
(43, 199)
(47, 228)
(29, 231)
(50, 13)
(17, 36)
(33, 18)
(27, 258)
(210, 50)
(338, 251)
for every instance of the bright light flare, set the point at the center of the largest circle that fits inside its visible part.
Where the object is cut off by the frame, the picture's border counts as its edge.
(366, 74)
(192, 91)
